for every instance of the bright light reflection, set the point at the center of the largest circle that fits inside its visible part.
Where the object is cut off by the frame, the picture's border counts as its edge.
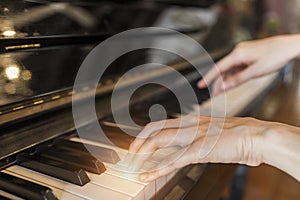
(12, 72)
(9, 33)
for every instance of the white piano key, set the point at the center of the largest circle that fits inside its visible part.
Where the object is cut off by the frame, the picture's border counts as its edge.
(154, 187)
(88, 191)
(149, 188)
(118, 184)
(160, 183)
(117, 170)
(9, 196)
(60, 194)
(121, 171)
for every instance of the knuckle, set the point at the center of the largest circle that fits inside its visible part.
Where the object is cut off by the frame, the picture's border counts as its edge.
(150, 126)
(239, 50)
(150, 145)
(163, 139)
(242, 45)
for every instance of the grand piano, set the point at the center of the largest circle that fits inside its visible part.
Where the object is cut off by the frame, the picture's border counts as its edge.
(42, 46)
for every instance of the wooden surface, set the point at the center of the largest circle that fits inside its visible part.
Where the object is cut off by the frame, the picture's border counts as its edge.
(283, 105)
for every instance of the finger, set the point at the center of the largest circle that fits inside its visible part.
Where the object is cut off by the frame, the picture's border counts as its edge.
(155, 174)
(155, 127)
(239, 78)
(175, 161)
(220, 67)
(166, 138)
(218, 87)
(151, 176)
(150, 129)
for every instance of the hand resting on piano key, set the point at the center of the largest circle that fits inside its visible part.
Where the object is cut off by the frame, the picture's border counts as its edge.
(240, 140)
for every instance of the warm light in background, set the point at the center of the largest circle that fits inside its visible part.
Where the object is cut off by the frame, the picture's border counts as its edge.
(26, 75)
(12, 72)
(9, 33)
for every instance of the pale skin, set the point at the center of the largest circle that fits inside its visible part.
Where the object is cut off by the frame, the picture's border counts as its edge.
(251, 60)
(232, 140)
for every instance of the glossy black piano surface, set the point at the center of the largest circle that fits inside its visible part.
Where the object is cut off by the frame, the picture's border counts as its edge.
(42, 45)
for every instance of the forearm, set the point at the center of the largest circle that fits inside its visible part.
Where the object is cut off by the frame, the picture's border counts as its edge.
(281, 149)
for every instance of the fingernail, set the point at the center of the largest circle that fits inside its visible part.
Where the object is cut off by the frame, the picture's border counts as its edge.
(201, 84)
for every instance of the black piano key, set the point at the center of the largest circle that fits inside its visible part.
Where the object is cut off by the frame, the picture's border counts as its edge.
(24, 189)
(73, 158)
(118, 137)
(53, 168)
(103, 154)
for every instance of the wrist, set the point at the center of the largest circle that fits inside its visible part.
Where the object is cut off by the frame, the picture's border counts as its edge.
(270, 144)
(291, 44)
(281, 148)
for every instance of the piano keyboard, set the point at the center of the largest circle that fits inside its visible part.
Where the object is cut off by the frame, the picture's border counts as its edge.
(57, 173)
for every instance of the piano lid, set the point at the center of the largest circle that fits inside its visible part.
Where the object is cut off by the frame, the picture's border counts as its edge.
(36, 18)
(43, 43)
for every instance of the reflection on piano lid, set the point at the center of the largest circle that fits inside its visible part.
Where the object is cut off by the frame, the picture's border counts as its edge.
(35, 32)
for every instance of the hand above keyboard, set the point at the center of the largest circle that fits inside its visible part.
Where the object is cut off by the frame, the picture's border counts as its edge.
(202, 140)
